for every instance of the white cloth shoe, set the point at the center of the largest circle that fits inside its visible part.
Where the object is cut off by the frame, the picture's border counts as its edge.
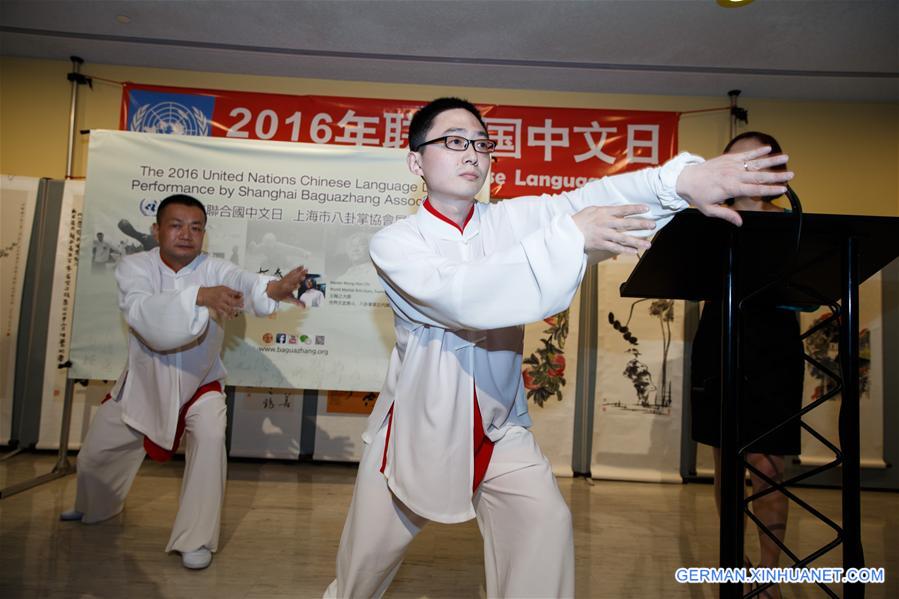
(196, 559)
(71, 516)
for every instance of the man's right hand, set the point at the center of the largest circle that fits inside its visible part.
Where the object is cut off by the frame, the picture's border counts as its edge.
(225, 301)
(605, 228)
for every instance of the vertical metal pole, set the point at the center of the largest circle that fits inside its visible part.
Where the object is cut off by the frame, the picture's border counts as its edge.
(76, 69)
(585, 382)
(62, 461)
(687, 444)
(853, 557)
(308, 423)
(731, 523)
(230, 398)
(733, 95)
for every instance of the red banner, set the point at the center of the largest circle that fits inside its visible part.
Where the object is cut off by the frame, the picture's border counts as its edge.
(540, 150)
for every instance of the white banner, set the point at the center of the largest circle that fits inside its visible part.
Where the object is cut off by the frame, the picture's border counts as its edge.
(822, 346)
(271, 206)
(18, 197)
(639, 374)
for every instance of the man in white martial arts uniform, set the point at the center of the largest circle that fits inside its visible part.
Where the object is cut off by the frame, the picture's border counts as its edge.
(101, 254)
(312, 297)
(448, 439)
(174, 299)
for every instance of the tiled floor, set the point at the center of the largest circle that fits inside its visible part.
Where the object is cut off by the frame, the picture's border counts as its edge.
(282, 523)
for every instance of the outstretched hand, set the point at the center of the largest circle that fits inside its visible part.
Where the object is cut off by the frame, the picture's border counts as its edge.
(226, 302)
(741, 174)
(283, 289)
(606, 228)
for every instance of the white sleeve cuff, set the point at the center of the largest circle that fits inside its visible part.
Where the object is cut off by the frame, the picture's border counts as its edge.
(263, 305)
(199, 315)
(668, 174)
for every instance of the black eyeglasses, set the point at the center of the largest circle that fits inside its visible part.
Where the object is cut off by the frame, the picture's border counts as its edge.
(460, 144)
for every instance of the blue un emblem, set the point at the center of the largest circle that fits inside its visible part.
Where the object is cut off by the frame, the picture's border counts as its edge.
(168, 113)
(148, 206)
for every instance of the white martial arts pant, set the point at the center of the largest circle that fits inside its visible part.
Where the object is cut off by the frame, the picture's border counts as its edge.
(525, 523)
(112, 452)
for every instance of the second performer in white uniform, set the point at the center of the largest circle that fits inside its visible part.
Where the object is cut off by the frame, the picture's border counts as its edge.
(175, 300)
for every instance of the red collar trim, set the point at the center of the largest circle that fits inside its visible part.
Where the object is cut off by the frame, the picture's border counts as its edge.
(430, 208)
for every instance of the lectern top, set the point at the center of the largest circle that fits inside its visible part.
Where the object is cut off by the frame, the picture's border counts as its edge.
(688, 257)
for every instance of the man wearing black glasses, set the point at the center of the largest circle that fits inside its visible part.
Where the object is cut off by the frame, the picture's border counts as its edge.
(448, 439)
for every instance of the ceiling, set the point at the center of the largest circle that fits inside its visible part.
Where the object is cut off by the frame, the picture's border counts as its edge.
(794, 49)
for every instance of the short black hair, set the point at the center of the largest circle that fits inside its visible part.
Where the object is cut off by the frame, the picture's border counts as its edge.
(183, 200)
(424, 118)
(766, 140)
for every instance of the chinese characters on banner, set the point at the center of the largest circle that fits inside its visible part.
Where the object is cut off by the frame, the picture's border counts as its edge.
(540, 150)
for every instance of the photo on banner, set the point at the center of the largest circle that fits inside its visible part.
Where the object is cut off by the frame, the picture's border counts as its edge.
(639, 382)
(18, 198)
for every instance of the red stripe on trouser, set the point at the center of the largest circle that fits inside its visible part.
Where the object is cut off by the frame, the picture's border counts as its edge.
(160, 454)
(387, 440)
(483, 446)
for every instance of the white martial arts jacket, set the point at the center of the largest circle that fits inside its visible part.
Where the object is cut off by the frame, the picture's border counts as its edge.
(460, 301)
(173, 344)
(312, 298)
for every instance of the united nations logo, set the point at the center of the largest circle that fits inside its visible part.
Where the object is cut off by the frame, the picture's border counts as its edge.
(148, 206)
(169, 118)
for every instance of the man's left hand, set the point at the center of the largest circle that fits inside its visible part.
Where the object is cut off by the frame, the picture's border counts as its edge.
(743, 174)
(284, 288)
